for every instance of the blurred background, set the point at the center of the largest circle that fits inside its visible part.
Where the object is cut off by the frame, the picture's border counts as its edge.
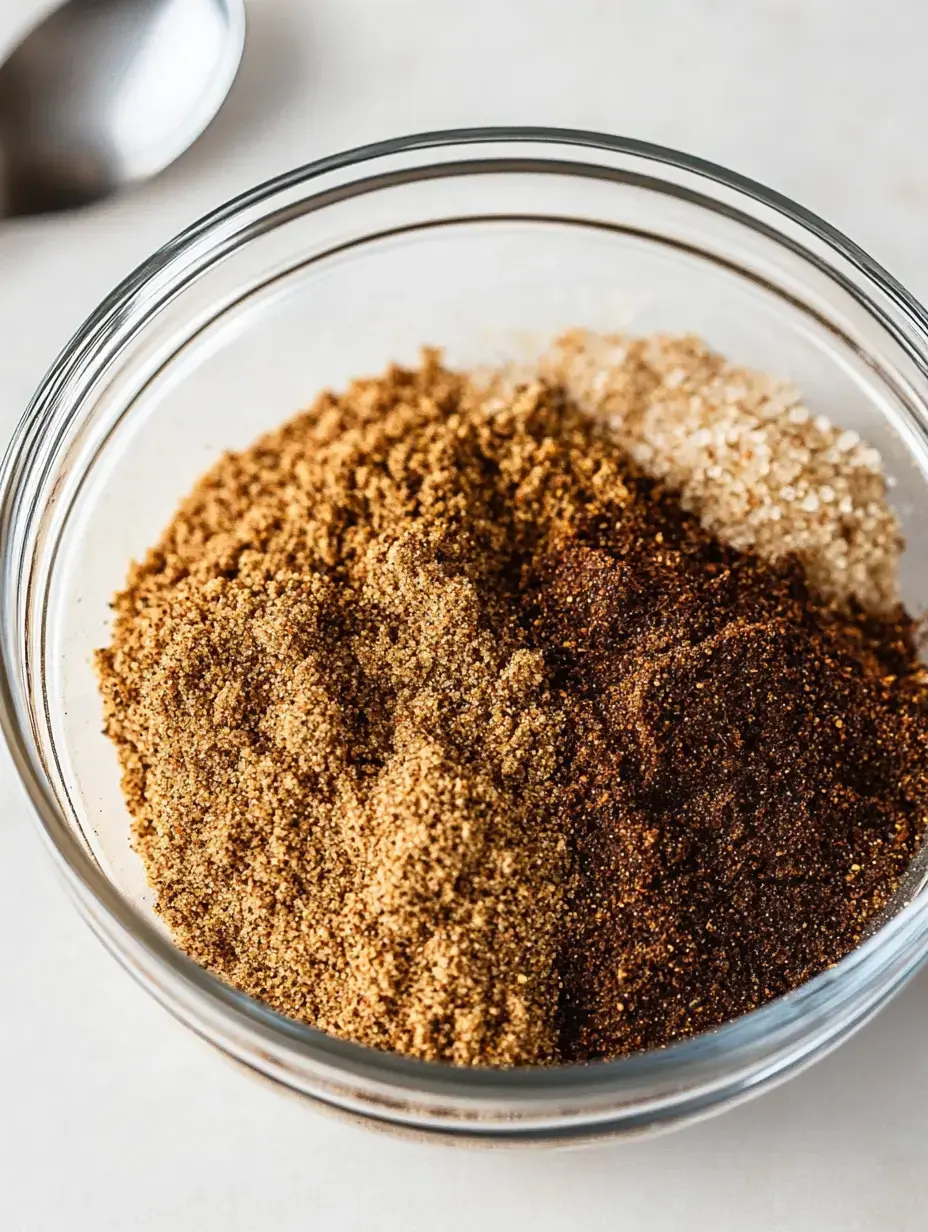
(113, 1117)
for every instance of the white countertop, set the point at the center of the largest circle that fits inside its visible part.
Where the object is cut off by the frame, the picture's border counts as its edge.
(111, 1115)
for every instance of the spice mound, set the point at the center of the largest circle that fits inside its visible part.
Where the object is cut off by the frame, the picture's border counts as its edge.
(446, 729)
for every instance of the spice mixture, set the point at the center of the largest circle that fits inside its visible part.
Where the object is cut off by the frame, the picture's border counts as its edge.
(447, 729)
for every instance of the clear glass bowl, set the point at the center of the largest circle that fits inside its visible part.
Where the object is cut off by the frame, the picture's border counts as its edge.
(485, 242)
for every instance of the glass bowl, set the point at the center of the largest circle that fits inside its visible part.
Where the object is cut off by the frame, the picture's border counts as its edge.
(487, 243)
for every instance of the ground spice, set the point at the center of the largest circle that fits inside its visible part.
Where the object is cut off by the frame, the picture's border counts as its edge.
(744, 773)
(337, 741)
(446, 730)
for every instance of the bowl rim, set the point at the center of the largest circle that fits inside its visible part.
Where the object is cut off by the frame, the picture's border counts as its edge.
(735, 1041)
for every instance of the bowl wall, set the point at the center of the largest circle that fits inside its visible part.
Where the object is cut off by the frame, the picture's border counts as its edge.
(486, 245)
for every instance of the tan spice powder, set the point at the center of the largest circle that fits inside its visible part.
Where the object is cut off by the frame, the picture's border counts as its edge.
(405, 701)
(337, 743)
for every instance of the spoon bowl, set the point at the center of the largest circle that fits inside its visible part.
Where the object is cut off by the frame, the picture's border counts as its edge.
(104, 93)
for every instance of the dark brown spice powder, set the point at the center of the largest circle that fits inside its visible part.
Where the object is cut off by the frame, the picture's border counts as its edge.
(446, 731)
(744, 772)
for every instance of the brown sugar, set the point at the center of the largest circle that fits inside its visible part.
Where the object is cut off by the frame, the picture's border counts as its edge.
(445, 730)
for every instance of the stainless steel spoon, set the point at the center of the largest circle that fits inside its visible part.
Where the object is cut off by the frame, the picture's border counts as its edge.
(107, 92)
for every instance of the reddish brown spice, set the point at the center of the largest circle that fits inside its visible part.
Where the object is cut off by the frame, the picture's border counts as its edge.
(744, 772)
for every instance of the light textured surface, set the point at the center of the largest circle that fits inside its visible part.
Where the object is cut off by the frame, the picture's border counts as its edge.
(115, 1118)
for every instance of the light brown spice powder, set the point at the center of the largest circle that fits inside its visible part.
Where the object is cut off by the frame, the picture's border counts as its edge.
(337, 743)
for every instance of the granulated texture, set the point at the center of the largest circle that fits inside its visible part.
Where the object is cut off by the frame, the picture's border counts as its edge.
(745, 454)
(445, 730)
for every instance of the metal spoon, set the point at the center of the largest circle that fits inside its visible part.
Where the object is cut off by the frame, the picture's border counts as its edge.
(107, 92)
